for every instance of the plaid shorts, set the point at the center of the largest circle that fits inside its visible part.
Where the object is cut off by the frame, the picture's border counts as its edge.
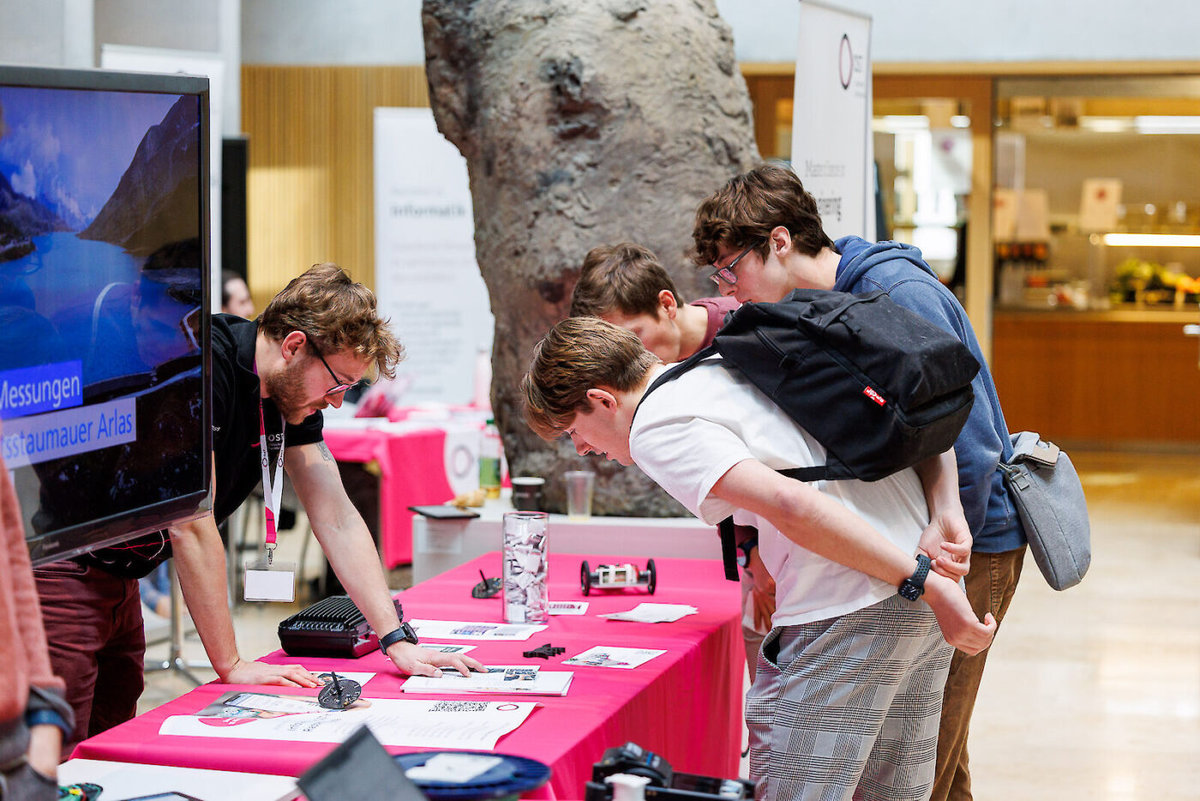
(848, 707)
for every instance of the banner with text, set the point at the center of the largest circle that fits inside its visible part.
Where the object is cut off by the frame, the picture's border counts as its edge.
(426, 277)
(831, 118)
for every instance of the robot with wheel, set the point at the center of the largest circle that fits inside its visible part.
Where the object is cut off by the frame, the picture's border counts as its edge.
(617, 577)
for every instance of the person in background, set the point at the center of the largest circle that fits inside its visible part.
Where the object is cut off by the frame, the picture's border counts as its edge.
(763, 235)
(626, 285)
(34, 717)
(849, 683)
(271, 378)
(235, 295)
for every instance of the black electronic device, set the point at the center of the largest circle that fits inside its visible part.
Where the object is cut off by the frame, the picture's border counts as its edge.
(445, 512)
(665, 783)
(333, 627)
(104, 303)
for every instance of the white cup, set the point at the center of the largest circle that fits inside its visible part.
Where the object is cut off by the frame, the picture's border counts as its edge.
(581, 484)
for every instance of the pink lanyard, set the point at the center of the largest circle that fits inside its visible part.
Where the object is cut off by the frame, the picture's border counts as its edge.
(272, 492)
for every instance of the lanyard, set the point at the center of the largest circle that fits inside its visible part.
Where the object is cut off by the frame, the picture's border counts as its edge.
(272, 493)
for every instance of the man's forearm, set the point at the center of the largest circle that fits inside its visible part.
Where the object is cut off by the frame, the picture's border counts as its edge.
(200, 565)
(939, 481)
(352, 555)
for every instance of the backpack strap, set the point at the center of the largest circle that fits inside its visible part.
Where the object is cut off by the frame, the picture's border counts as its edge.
(673, 372)
(728, 548)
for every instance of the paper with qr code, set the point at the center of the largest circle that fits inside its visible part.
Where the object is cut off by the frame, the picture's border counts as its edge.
(433, 723)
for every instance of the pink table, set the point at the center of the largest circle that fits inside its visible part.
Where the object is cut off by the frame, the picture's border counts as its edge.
(684, 705)
(416, 467)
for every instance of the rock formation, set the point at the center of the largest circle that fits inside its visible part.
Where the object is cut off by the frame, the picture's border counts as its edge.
(582, 124)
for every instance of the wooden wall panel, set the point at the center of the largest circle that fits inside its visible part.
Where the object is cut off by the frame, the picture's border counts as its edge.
(1099, 381)
(310, 189)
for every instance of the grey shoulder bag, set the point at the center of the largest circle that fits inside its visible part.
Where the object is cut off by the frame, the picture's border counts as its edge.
(1053, 511)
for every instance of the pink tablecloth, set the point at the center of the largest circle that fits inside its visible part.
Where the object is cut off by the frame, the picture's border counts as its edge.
(415, 469)
(684, 705)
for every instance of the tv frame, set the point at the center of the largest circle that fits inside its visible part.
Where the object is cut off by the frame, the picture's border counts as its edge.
(112, 529)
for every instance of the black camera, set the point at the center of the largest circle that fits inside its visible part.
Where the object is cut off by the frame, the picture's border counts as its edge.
(665, 783)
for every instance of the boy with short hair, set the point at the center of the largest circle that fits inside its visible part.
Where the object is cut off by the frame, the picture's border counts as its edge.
(627, 286)
(849, 685)
(762, 234)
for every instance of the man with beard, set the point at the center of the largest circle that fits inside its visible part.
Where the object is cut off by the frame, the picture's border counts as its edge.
(271, 378)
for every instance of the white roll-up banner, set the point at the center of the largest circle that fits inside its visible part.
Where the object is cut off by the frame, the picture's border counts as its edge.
(831, 117)
(426, 276)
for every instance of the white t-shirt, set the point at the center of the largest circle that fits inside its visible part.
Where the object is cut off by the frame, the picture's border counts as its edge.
(690, 431)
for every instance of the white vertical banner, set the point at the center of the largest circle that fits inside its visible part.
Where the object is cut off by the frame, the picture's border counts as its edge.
(831, 118)
(426, 277)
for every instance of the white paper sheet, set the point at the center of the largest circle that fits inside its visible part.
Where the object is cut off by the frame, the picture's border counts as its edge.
(424, 723)
(467, 630)
(654, 613)
(568, 607)
(523, 679)
(614, 657)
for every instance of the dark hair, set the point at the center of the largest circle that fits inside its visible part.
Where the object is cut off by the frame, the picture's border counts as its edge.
(336, 313)
(579, 353)
(745, 211)
(626, 278)
(226, 277)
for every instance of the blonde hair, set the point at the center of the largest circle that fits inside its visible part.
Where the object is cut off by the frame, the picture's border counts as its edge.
(578, 354)
(335, 313)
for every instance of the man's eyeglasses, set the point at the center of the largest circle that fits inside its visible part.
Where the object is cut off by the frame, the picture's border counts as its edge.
(339, 385)
(726, 274)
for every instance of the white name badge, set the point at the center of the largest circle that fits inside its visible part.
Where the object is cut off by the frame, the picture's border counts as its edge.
(269, 582)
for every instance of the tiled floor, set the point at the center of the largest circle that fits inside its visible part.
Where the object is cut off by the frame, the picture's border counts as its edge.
(1092, 693)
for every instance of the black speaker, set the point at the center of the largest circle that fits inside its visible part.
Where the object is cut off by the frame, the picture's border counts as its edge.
(234, 164)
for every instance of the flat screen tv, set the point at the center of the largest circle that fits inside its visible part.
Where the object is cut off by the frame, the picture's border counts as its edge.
(104, 303)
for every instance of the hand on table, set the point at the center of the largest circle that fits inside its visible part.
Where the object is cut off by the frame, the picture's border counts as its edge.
(244, 672)
(413, 660)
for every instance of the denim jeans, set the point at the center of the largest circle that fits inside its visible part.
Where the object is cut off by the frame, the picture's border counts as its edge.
(990, 587)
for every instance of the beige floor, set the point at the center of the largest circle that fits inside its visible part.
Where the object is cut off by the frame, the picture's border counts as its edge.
(1092, 693)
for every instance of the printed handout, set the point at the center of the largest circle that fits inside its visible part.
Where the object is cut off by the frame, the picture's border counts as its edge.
(467, 630)
(296, 718)
(515, 679)
(614, 657)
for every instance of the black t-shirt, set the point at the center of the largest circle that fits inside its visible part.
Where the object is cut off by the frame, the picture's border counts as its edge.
(235, 431)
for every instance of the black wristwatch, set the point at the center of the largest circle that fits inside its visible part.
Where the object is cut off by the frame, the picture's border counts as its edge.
(403, 634)
(744, 549)
(913, 587)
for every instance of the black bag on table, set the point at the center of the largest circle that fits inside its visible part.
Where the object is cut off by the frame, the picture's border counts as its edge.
(880, 387)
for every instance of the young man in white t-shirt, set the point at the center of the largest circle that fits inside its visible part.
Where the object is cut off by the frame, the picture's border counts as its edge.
(849, 684)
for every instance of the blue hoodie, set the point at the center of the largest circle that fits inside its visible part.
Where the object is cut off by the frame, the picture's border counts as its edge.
(900, 271)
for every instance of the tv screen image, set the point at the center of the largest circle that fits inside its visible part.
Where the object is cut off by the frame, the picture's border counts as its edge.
(104, 303)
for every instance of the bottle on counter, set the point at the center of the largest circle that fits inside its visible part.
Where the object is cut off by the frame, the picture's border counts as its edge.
(491, 450)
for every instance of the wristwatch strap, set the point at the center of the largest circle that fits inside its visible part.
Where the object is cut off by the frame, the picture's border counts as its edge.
(403, 634)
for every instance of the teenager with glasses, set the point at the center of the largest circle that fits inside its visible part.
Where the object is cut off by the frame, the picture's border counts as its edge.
(769, 221)
(271, 377)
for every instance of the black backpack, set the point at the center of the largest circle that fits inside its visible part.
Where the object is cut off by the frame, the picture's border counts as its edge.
(880, 387)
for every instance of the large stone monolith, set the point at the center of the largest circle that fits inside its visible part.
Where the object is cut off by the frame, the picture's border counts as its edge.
(583, 123)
